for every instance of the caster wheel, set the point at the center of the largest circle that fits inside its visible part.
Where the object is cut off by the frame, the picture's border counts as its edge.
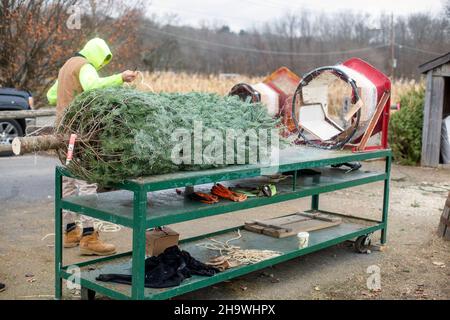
(87, 294)
(362, 244)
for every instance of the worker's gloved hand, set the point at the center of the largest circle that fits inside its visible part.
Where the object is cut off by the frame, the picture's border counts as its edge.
(129, 76)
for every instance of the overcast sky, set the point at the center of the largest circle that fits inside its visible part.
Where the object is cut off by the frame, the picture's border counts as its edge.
(243, 14)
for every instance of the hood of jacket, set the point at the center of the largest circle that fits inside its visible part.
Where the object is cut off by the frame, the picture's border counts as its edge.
(97, 52)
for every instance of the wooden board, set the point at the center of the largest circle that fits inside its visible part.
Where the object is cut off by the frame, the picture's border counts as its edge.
(313, 119)
(39, 130)
(319, 216)
(356, 107)
(374, 120)
(303, 226)
(432, 121)
(290, 225)
(281, 220)
(443, 222)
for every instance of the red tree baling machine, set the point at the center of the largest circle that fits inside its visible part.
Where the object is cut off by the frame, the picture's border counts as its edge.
(331, 107)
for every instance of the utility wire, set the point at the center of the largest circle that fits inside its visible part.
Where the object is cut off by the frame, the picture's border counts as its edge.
(280, 53)
(400, 46)
(206, 14)
(287, 53)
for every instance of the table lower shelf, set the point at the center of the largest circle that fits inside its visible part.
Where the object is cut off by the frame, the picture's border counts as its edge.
(349, 229)
(167, 207)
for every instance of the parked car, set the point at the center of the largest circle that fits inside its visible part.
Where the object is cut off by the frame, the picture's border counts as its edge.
(13, 99)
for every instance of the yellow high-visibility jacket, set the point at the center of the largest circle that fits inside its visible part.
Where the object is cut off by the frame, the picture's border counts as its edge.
(98, 55)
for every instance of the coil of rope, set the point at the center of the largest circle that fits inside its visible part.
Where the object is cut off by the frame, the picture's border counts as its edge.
(236, 254)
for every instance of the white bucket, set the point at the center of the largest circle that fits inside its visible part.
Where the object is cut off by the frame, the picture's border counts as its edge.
(269, 98)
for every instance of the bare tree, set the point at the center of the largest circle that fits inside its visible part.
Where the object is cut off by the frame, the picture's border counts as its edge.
(32, 38)
(312, 39)
(35, 39)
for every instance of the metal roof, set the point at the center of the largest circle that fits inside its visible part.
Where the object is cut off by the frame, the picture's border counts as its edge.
(436, 62)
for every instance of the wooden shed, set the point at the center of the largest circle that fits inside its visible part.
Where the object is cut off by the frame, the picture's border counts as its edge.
(437, 107)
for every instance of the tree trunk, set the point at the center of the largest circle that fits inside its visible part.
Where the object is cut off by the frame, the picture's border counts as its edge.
(26, 145)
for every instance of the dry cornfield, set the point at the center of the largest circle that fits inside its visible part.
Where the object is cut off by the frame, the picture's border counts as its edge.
(221, 84)
(184, 82)
(402, 86)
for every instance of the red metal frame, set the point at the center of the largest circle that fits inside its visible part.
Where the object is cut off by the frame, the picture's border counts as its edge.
(383, 84)
(282, 95)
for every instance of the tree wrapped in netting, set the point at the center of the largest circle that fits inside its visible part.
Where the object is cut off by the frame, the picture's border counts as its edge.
(123, 133)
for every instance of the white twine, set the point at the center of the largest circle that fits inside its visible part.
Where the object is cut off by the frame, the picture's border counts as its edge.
(101, 226)
(143, 82)
(235, 253)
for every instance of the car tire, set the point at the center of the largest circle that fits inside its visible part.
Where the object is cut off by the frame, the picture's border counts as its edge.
(9, 129)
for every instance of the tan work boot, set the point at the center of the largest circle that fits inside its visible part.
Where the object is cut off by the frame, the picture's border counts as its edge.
(72, 238)
(91, 245)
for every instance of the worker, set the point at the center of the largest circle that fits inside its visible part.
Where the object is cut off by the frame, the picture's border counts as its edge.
(78, 74)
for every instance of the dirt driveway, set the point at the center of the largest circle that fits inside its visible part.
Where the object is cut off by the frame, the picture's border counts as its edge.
(416, 264)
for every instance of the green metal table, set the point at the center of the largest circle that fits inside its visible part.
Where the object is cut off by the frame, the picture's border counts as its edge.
(149, 202)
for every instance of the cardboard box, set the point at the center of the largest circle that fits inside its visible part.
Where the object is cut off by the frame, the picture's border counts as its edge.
(159, 240)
